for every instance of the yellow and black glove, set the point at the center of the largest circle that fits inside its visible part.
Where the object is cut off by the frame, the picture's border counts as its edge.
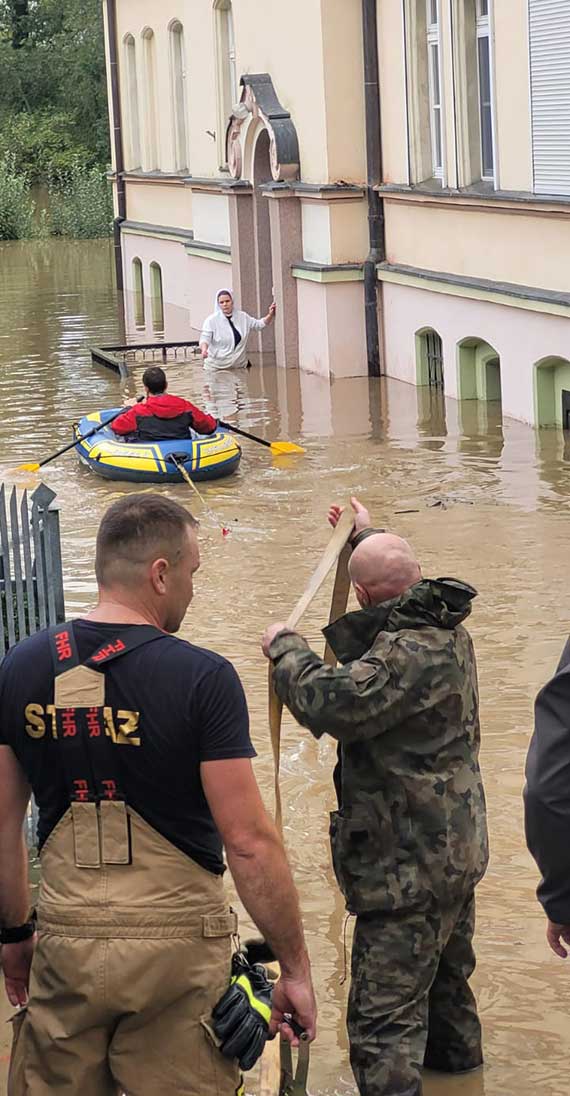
(241, 1017)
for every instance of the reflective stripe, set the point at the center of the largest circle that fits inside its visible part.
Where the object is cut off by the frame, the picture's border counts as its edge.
(259, 1006)
(241, 1090)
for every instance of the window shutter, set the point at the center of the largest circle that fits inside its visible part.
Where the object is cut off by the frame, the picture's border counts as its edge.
(550, 93)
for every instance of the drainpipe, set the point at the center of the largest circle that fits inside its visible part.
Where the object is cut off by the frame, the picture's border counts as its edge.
(377, 251)
(111, 7)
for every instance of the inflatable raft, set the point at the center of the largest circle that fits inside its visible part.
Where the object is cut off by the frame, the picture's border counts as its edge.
(203, 456)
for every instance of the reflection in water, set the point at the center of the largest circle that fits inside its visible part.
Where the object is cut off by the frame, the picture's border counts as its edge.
(504, 530)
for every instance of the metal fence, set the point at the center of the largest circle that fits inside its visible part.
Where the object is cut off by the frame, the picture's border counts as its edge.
(119, 358)
(31, 578)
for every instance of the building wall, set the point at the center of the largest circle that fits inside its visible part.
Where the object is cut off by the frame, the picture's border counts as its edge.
(512, 95)
(325, 107)
(469, 231)
(525, 247)
(159, 203)
(521, 339)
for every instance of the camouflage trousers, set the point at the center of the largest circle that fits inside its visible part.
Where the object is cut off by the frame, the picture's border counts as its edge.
(410, 1003)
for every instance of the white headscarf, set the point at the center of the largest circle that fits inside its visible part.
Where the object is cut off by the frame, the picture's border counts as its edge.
(218, 295)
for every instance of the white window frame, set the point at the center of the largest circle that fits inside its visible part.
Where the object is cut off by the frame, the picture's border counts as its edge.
(484, 31)
(435, 110)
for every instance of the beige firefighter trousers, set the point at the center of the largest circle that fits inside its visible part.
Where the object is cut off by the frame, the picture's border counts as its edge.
(130, 960)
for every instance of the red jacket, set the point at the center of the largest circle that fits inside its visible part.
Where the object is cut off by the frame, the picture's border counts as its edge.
(165, 407)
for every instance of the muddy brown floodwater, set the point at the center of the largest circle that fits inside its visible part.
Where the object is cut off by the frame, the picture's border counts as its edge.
(505, 529)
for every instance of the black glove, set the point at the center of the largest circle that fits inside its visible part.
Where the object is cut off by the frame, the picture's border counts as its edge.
(241, 1017)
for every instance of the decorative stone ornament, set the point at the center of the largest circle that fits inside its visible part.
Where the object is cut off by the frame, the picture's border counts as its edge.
(259, 101)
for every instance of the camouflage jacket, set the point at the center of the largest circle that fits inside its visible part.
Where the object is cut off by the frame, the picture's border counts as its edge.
(403, 706)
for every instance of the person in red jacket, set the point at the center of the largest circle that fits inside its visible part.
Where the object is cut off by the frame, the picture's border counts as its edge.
(162, 417)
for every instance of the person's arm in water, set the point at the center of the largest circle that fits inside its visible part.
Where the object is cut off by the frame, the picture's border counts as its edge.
(14, 888)
(257, 861)
(206, 336)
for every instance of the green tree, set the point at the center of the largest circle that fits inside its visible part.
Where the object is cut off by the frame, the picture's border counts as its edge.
(16, 13)
(53, 94)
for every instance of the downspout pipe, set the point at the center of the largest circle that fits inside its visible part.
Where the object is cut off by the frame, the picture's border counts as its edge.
(111, 7)
(377, 252)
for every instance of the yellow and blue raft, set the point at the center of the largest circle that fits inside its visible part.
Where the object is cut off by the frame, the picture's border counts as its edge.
(204, 456)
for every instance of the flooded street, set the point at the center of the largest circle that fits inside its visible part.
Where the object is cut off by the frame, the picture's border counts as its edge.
(504, 528)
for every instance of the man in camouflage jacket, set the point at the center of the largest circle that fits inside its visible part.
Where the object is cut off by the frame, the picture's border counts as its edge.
(409, 841)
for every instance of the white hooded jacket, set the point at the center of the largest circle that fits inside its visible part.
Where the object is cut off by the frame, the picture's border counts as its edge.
(217, 333)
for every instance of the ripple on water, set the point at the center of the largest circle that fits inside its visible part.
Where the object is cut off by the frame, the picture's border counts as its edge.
(375, 439)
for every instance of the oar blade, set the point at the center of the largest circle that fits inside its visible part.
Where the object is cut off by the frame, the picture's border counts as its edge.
(27, 468)
(286, 447)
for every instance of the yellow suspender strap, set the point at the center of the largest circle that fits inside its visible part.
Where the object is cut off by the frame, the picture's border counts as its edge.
(336, 551)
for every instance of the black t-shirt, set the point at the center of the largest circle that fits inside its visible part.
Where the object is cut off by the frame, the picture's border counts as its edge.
(191, 708)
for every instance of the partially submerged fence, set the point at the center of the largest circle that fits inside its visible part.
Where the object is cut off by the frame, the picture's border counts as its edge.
(31, 577)
(119, 358)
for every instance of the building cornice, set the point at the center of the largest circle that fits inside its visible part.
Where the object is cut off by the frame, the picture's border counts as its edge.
(454, 285)
(315, 192)
(155, 178)
(328, 273)
(494, 201)
(201, 249)
(169, 232)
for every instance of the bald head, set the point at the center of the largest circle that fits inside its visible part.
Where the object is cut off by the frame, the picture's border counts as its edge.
(382, 567)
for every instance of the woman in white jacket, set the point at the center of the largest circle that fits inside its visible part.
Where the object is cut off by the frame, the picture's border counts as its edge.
(223, 341)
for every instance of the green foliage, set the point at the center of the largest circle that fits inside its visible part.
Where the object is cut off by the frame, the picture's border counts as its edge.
(42, 144)
(82, 205)
(17, 207)
(53, 96)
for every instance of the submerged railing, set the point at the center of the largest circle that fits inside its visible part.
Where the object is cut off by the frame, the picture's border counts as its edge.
(31, 576)
(118, 358)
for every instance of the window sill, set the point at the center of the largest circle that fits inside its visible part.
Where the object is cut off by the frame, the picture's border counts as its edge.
(480, 193)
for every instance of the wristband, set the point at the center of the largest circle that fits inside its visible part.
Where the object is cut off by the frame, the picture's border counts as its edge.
(18, 933)
(357, 538)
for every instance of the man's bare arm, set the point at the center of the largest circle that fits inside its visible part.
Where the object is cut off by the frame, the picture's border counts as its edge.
(262, 876)
(14, 888)
(14, 799)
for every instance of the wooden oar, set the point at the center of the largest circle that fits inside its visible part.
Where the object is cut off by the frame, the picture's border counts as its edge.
(275, 446)
(35, 467)
(332, 553)
(224, 528)
(273, 1075)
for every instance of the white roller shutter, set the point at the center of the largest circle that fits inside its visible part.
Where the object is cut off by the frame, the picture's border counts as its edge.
(550, 91)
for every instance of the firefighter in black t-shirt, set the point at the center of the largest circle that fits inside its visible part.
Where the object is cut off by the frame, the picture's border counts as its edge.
(136, 746)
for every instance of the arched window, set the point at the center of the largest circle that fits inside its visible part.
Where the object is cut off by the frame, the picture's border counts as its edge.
(178, 81)
(132, 96)
(429, 358)
(552, 392)
(479, 371)
(151, 142)
(156, 298)
(228, 92)
(138, 290)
